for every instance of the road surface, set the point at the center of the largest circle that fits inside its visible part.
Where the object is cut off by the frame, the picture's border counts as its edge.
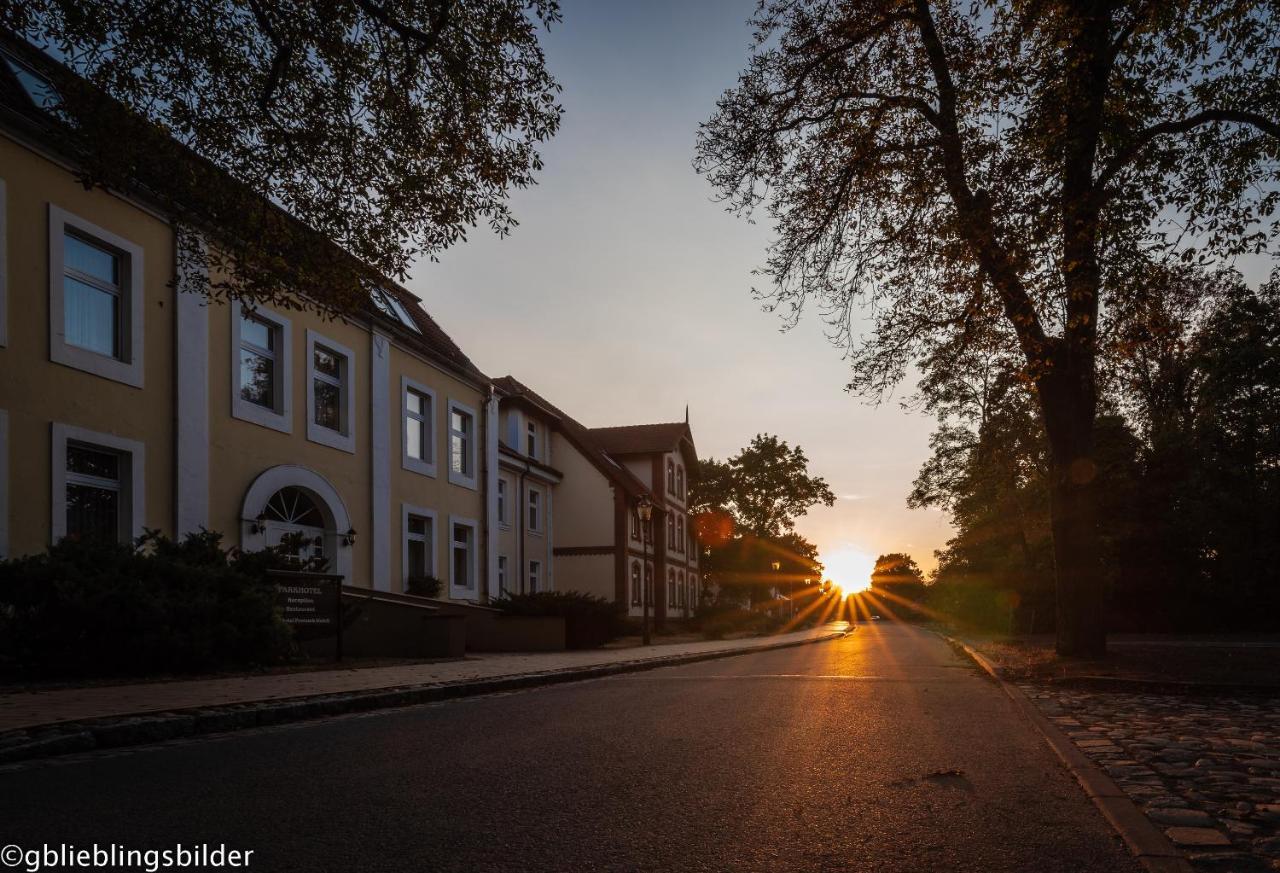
(880, 751)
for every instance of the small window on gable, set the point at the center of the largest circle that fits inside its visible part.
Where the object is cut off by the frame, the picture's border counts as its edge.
(531, 440)
(671, 476)
(680, 482)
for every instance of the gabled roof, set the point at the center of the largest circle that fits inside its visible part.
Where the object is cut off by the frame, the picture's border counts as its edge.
(30, 103)
(642, 439)
(578, 435)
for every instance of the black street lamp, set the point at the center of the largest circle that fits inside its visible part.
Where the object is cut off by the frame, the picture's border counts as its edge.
(645, 510)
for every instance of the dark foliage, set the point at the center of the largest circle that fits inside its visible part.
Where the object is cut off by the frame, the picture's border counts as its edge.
(160, 606)
(590, 621)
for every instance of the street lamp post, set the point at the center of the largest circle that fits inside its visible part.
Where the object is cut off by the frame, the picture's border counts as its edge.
(777, 568)
(645, 510)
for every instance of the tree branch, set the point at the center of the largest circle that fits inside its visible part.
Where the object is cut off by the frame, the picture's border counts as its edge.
(1185, 125)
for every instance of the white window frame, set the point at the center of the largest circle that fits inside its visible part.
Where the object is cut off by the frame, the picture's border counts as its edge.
(680, 481)
(465, 480)
(534, 510)
(406, 510)
(423, 466)
(531, 438)
(345, 438)
(636, 531)
(127, 369)
(636, 582)
(133, 464)
(472, 591)
(4, 279)
(4, 484)
(502, 575)
(281, 417)
(535, 576)
(504, 502)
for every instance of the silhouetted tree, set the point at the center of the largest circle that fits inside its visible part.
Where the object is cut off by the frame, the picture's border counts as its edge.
(389, 127)
(960, 165)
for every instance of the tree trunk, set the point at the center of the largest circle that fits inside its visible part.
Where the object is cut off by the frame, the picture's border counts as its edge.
(1080, 592)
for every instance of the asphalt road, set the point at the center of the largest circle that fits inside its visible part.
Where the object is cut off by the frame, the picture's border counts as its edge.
(879, 751)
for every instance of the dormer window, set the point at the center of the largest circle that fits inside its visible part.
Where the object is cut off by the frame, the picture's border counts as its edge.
(389, 305)
(531, 440)
(671, 476)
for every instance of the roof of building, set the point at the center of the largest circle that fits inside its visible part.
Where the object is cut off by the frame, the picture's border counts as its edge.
(642, 439)
(30, 103)
(578, 435)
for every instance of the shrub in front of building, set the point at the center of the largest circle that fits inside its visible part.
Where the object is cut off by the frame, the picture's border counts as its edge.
(589, 621)
(718, 620)
(157, 606)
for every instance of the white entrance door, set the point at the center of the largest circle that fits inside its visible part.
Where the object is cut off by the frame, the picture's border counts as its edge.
(292, 517)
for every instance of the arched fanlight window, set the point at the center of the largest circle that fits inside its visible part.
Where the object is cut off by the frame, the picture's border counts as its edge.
(293, 506)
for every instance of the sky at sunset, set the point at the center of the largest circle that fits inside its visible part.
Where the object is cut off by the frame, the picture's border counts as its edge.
(625, 292)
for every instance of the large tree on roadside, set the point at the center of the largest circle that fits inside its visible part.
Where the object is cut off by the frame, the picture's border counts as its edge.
(960, 165)
(390, 126)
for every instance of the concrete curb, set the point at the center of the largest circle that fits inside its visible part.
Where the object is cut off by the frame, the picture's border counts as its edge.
(64, 738)
(1145, 841)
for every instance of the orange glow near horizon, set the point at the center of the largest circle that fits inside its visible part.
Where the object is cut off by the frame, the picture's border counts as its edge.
(849, 568)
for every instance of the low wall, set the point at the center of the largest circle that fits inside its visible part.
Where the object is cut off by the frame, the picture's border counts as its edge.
(383, 625)
(491, 630)
(517, 633)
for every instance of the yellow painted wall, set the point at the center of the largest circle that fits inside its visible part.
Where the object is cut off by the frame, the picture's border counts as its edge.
(36, 391)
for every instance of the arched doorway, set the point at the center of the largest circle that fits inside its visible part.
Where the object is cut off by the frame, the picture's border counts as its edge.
(290, 502)
(292, 519)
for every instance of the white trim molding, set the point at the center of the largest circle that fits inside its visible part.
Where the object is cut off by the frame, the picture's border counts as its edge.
(132, 475)
(491, 478)
(192, 353)
(343, 439)
(433, 552)
(4, 273)
(337, 522)
(380, 459)
(127, 368)
(280, 416)
(465, 480)
(425, 466)
(472, 591)
(4, 484)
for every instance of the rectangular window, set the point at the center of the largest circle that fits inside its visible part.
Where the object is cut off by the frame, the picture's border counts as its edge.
(330, 402)
(462, 576)
(418, 403)
(95, 299)
(635, 525)
(462, 445)
(535, 510)
(97, 485)
(258, 352)
(93, 493)
(91, 296)
(635, 583)
(531, 440)
(535, 576)
(502, 574)
(419, 544)
(502, 501)
(260, 366)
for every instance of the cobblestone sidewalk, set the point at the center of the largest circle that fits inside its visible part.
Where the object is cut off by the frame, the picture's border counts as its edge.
(1206, 770)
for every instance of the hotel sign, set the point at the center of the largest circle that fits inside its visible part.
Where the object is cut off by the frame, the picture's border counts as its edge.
(311, 604)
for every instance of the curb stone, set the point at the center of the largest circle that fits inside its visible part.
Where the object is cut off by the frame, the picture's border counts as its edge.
(1153, 850)
(47, 741)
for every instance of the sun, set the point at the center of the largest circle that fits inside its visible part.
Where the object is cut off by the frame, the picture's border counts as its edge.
(849, 568)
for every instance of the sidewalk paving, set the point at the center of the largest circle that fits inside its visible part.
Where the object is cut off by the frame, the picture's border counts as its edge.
(25, 710)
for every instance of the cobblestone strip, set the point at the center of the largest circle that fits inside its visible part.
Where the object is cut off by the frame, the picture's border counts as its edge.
(1206, 770)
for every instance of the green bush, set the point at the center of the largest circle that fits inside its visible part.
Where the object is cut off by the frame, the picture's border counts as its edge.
(718, 620)
(88, 608)
(589, 622)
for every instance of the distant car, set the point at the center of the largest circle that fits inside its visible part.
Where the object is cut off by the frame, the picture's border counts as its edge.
(875, 618)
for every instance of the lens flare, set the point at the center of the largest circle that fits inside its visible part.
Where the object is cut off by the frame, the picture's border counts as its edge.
(849, 568)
